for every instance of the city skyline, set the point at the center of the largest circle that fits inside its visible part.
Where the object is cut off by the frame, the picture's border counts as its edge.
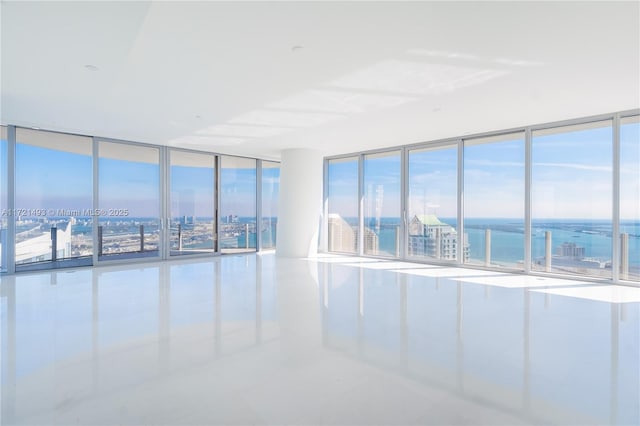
(571, 183)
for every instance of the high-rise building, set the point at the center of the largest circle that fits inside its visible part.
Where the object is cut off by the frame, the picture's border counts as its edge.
(429, 236)
(342, 236)
(371, 241)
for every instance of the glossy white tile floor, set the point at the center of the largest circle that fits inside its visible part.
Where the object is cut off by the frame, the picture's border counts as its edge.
(258, 340)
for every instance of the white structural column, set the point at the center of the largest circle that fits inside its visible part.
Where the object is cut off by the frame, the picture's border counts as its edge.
(300, 205)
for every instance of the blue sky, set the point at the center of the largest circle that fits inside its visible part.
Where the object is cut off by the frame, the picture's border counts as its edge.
(192, 191)
(494, 179)
(630, 171)
(572, 178)
(238, 189)
(572, 174)
(129, 185)
(382, 186)
(270, 191)
(433, 182)
(343, 187)
(52, 179)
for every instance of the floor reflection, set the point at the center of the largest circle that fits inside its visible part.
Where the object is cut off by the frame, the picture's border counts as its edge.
(257, 339)
(518, 349)
(122, 325)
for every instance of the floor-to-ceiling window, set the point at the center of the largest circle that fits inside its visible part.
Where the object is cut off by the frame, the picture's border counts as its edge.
(192, 178)
(77, 199)
(494, 200)
(432, 205)
(571, 199)
(270, 194)
(630, 198)
(538, 199)
(128, 200)
(53, 199)
(4, 209)
(237, 204)
(342, 195)
(382, 204)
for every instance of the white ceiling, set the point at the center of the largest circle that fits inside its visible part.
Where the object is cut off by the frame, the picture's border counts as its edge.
(255, 78)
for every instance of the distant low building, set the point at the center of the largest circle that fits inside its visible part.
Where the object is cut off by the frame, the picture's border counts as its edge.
(571, 254)
(428, 236)
(571, 250)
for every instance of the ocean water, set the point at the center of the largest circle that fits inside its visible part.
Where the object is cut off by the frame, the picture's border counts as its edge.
(507, 238)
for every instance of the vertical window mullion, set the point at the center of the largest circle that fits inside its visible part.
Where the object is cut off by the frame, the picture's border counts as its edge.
(324, 235)
(460, 199)
(165, 221)
(11, 199)
(615, 235)
(95, 200)
(527, 200)
(360, 242)
(218, 183)
(404, 198)
(259, 205)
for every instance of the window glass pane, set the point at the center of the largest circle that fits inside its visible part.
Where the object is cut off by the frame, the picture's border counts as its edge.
(571, 196)
(53, 198)
(494, 200)
(3, 198)
(192, 200)
(382, 204)
(343, 205)
(433, 210)
(238, 205)
(630, 198)
(270, 194)
(128, 200)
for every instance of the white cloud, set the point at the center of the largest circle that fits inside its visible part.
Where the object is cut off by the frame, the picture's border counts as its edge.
(494, 163)
(576, 166)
